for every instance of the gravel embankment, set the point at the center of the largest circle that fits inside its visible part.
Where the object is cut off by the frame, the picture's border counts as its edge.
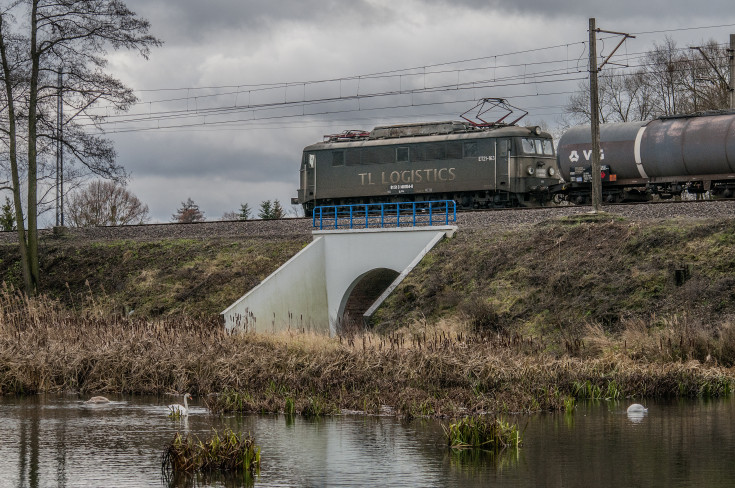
(290, 228)
(641, 212)
(287, 228)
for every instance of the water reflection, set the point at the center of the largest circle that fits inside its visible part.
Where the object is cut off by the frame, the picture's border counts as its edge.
(60, 441)
(637, 417)
(191, 480)
(469, 464)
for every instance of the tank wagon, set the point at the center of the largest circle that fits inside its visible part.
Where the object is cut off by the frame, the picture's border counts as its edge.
(477, 166)
(665, 156)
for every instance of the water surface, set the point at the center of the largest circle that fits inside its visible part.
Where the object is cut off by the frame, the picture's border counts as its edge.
(54, 440)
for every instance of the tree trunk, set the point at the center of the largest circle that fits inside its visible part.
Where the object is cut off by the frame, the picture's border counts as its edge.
(33, 158)
(12, 129)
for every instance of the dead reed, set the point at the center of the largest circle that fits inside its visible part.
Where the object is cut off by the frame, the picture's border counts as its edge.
(44, 347)
(232, 452)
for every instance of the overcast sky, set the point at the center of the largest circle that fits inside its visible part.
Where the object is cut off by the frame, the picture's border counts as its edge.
(197, 132)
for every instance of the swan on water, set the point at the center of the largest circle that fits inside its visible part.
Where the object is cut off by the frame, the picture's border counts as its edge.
(636, 413)
(98, 399)
(637, 408)
(181, 409)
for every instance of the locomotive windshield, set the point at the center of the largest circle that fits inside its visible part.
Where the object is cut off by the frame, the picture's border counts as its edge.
(541, 147)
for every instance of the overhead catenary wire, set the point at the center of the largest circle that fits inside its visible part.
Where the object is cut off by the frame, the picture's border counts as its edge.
(454, 87)
(630, 57)
(257, 88)
(292, 116)
(561, 69)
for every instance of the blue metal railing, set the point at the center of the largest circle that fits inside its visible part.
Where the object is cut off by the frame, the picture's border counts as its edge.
(381, 215)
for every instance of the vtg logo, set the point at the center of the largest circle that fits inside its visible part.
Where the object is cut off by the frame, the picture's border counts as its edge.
(574, 155)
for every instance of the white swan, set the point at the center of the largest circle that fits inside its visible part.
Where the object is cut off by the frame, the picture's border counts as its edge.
(98, 399)
(636, 413)
(181, 409)
(637, 408)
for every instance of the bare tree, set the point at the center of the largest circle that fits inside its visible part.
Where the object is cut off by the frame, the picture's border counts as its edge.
(708, 85)
(106, 203)
(38, 40)
(623, 97)
(671, 81)
(665, 72)
(188, 212)
(242, 214)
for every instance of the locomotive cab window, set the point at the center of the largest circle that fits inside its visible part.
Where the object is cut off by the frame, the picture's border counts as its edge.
(527, 146)
(470, 150)
(401, 154)
(542, 147)
(338, 158)
(548, 148)
(503, 147)
(312, 160)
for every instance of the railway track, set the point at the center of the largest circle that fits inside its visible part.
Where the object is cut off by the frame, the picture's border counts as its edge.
(300, 228)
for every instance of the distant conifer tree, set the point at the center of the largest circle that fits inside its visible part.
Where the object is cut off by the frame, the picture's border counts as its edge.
(7, 216)
(244, 212)
(277, 211)
(265, 210)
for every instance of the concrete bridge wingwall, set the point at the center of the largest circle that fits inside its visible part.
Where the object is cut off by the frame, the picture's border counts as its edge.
(341, 274)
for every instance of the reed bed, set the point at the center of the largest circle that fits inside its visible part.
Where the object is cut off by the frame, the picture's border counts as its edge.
(480, 432)
(232, 452)
(44, 347)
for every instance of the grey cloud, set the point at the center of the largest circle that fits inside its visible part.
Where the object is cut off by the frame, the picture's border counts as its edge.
(192, 156)
(606, 10)
(190, 21)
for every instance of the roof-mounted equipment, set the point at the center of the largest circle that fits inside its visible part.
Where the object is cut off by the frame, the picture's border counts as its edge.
(486, 105)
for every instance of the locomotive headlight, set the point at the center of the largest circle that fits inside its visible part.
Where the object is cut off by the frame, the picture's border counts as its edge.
(530, 170)
(552, 171)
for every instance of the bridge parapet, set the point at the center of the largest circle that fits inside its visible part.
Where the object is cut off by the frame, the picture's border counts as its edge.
(385, 215)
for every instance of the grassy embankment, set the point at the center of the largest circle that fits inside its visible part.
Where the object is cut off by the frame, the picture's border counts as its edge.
(491, 321)
(194, 277)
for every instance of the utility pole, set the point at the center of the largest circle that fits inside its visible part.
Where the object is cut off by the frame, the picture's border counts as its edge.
(595, 121)
(595, 110)
(731, 51)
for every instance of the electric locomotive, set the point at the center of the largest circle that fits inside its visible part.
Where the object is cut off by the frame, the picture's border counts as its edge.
(476, 165)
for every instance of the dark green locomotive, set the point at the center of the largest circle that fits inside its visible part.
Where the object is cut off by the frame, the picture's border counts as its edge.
(478, 167)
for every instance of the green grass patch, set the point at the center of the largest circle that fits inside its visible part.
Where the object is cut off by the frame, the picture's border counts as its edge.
(231, 452)
(492, 434)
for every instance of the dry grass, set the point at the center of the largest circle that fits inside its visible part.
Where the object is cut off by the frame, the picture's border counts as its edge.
(419, 371)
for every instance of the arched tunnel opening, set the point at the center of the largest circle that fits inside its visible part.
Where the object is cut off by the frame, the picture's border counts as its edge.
(365, 290)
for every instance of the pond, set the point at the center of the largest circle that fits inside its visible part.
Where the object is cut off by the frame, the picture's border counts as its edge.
(56, 440)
